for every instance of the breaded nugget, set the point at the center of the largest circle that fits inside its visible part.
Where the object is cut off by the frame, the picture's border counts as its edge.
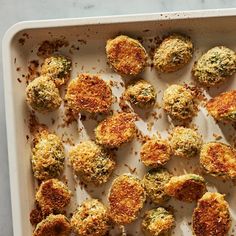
(127, 56)
(154, 183)
(223, 106)
(88, 93)
(215, 66)
(155, 153)
(116, 130)
(179, 102)
(173, 53)
(52, 196)
(219, 159)
(187, 188)
(157, 222)
(211, 217)
(92, 162)
(126, 199)
(90, 219)
(53, 225)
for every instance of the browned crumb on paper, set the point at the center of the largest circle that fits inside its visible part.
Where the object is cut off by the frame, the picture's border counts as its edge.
(123, 105)
(217, 136)
(197, 92)
(141, 137)
(131, 170)
(33, 71)
(21, 41)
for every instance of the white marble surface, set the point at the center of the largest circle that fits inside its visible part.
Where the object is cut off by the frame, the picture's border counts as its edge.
(12, 11)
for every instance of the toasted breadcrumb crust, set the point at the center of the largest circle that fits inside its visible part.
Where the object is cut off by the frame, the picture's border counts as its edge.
(211, 217)
(126, 199)
(127, 56)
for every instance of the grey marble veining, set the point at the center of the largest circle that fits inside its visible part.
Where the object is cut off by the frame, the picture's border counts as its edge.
(12, 11)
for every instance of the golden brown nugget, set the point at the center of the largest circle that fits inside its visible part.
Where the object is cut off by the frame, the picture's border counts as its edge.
(126, 199)
(187, 188)
(88, 93)
(116, 130)
(219, 159)
(127, 56)
(173, 53)
(211, 217)
(223, 106)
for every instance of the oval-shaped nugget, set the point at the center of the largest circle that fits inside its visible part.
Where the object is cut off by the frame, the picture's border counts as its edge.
(174, 52)
(211, 217)
(58, 68)
(90, 219)
(116, 130)
(127, 56)
(88, 93)
(155, 153)
(126, 199)
(52, 196)
(223, 106)
(53, 225)
(179, 102)
(219, 159)
(154, 183)
(215, 66)
(92, 162)
(185, 142)
(187, 188)
(42, 95)
(157, 222)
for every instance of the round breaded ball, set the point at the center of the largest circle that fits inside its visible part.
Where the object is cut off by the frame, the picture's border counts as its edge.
(127, 56)
(90, 219)
(52, 196)
(155, 153)
(58, 68)
(174, 52)
(211, 217)
(53, 225)
(185, 142)
(92, 162)
(88, 93)
(157, 222)
(126, 199)
(223, 106)
(179, 102)
(187, 188)
(215, 66)
(141, 94)
(42, 95)
(116, 130)
(47, 156)
(219, 159)
(154, 183)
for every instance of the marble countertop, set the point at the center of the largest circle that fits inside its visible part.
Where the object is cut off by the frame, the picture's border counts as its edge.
(13, 11)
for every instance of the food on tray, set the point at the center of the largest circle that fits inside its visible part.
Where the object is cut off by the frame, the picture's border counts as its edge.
(223, 106)
(179, 102)
(185, 142)
(187, 188)
(52, 196)
(215, 66)
(154, 183)
(155, 153)
(219, 159)
(58, 68)
(158, 222)
(116, 130)
(88, 93)
(127, 56)
(53, 225)
(126, 199)
(173, 53)
(92, 162)
(47, 155)
(90, 219)
(141, 94)
(211, 217)
(42, 95)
